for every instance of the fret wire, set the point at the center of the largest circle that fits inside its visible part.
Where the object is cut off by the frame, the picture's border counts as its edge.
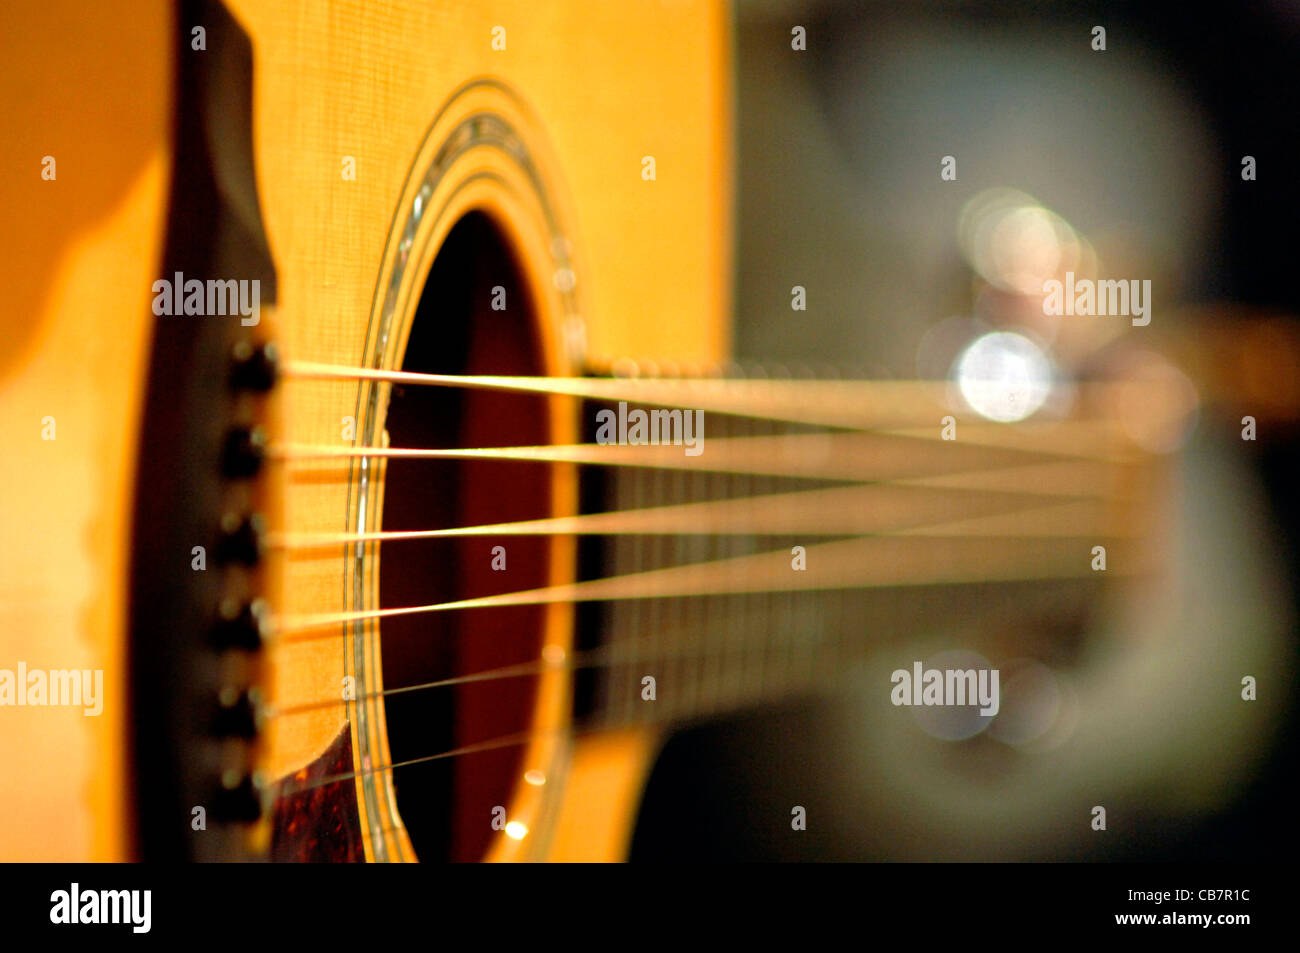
(625, 621)
(781, 639)
(714, 633)
(807, 662)
(777, 646)
(632, 684)
(635, 614)
(759, 609)
(729, 605)
(799, 657)
(838, 631)
(834, 626)
(612, 618)
(823, 621)
(720, 634)
(655, 559)
(675, 608)
(798, 624)
(739, 641)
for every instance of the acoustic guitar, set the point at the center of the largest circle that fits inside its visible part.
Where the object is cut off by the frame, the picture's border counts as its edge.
(293, 284)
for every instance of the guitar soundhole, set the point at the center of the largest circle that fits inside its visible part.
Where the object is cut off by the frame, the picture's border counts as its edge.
(447, 804)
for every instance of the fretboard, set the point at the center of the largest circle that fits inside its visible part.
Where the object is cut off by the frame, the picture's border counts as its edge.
(781, 622)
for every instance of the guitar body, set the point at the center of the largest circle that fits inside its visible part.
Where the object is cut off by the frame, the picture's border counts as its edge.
(350, 105)
(371, 198)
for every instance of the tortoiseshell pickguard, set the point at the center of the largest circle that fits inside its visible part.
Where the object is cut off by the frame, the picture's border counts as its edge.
(320, 824)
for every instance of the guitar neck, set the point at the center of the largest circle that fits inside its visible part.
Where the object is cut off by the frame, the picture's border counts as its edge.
(723, 621)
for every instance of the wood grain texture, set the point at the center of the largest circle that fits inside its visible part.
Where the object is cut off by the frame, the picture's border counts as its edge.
(607, 84)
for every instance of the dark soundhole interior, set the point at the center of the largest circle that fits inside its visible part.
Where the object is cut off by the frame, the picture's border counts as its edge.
(447, 804)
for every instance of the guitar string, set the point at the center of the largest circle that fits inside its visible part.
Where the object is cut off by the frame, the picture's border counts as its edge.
(832, 638)
(817, 497)
(869, 508)
(839, 403)
(863, 562)
(592, 658)
(575, 661)
(830, 456)
(288, 787)
(605, 655)
(587, 659)
(329, 619)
